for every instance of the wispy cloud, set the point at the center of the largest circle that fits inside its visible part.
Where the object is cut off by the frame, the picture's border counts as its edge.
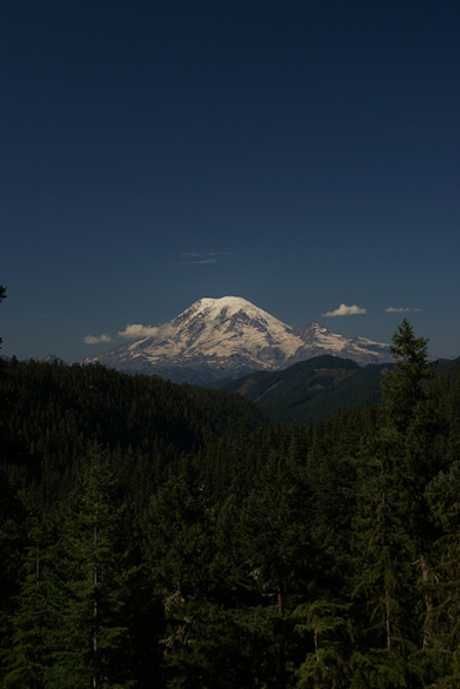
(345, 310)
(399, 309)
(136, 330)
(97, 339)
(187, 258)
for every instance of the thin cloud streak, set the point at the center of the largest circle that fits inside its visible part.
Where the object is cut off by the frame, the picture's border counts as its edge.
(187, 258)
(399, 309)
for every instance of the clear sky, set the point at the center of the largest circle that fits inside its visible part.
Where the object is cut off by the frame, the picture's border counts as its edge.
(300, 154)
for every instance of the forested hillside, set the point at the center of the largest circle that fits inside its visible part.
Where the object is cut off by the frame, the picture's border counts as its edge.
(167, 536)
(315, 389)
(142, 423)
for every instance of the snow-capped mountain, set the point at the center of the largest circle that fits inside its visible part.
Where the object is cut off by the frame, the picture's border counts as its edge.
(227, 338)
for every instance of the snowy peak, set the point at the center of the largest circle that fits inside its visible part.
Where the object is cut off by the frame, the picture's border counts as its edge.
(229, 310)
(229, 337)
(222, 328)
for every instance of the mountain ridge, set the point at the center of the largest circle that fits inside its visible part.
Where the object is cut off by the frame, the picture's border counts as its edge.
(311, 390)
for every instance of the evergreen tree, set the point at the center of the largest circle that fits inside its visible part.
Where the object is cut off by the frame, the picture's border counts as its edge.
(2, 296)
(385, 602)
(393, 527)
(179, 552)
(70, 625)
(276, 548)
(443, 623)
(402, 387)
(409, 438)
(28, 654)
(327, 627)
(92, 570)
(2, 383)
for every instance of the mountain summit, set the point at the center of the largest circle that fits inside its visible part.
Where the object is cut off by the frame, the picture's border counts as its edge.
(227, 338)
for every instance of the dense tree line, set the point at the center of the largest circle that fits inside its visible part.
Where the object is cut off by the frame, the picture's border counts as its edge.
(164, 535)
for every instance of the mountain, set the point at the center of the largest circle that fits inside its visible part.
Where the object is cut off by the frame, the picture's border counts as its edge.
(229, 337)
(312, 390)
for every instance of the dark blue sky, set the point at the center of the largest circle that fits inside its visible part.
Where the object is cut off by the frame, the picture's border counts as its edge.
(302, 155)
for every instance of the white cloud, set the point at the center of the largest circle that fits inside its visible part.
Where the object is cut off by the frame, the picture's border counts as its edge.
(399, 309)
(345, 310)
(97, 339)
(136, 330)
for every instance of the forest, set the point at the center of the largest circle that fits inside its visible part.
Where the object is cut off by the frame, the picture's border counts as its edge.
(168, 536)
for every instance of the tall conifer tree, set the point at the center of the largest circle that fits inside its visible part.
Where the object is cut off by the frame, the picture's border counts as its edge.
(83, 638)
(393, 525)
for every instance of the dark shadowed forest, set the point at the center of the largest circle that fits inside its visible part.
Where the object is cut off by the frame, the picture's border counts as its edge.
(168, 536)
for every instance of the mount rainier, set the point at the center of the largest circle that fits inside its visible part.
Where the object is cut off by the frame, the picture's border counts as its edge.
(227, 338)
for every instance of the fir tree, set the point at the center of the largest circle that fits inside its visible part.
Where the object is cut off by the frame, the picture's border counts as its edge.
(408, 438)
(402, 387)
(393, 528)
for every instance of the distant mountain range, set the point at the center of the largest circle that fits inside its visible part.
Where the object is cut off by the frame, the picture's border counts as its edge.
(226, 338)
